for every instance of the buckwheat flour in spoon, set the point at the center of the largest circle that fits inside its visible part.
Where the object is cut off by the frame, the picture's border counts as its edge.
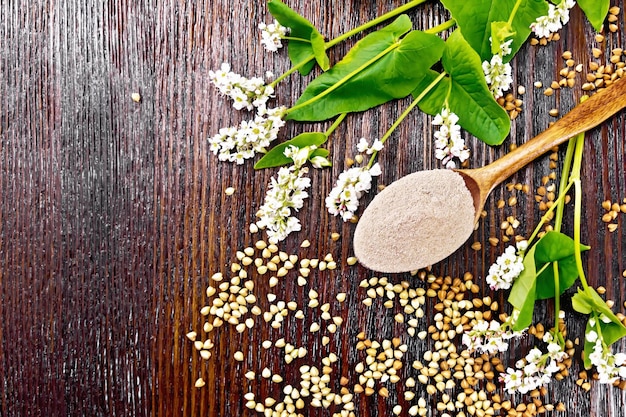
(433, 217)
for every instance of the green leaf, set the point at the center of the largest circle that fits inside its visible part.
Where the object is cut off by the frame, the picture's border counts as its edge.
(466, 93)
(319, 50)
(276, 156)
(581, 302)
(600, 306)
(522, 295)
(434, 101)
(612, 332)
(392, 76)
(556, 247)
(588, 346)
(595, 10)
(589, 300)
(301, 48)
(475, 18)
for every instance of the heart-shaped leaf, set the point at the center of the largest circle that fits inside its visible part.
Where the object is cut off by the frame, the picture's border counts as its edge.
(556, 247)
(466, 93)
(360, 81)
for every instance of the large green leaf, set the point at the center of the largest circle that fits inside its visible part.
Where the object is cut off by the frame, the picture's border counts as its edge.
(556, 247)
(522, 295)
(358, 86)
(276, 156)
(595, 10)
(306, 42)
(466, 93)
(475, 18)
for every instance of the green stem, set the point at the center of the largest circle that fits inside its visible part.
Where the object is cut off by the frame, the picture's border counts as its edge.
(374, 22)
(514, 12)
(546, 217)
(336, 123)
(344, 79)
(293, 38)
(290, 71)
(441, 27)
(558, 222)
(565, 177)
(405, 113)
(578, 156)
(557, 295)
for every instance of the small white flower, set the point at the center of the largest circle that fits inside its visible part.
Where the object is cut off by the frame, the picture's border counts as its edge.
(505, 47)
(513, 379)
(271, 35)
(376, 146)
(449, 145)
(362, 146)
(320, 162)
(298, 155)
(375, 170)
(592, 336)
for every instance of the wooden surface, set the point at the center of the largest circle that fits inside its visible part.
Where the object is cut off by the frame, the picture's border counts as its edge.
(113, 213)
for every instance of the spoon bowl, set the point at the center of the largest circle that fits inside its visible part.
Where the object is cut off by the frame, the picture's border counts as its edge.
(424, 217)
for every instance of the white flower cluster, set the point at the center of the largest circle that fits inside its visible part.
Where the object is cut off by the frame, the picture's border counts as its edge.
(498, 73)
(507, 267)
(610, 366)
(286, 193)
(364, 147)
(252, 136)
(343, 199)
(536, 369)
(558, 15)
(448, 141)
(246, 93)
(271, 35)
(489, 337)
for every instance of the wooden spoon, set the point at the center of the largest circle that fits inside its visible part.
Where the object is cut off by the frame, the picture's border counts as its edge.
(391, 237)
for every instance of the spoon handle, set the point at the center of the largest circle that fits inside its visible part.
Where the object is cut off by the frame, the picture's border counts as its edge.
(585, 116)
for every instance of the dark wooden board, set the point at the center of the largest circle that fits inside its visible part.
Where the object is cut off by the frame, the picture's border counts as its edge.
(113, 213)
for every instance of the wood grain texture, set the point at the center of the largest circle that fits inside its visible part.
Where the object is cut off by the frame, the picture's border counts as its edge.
(113, 213)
